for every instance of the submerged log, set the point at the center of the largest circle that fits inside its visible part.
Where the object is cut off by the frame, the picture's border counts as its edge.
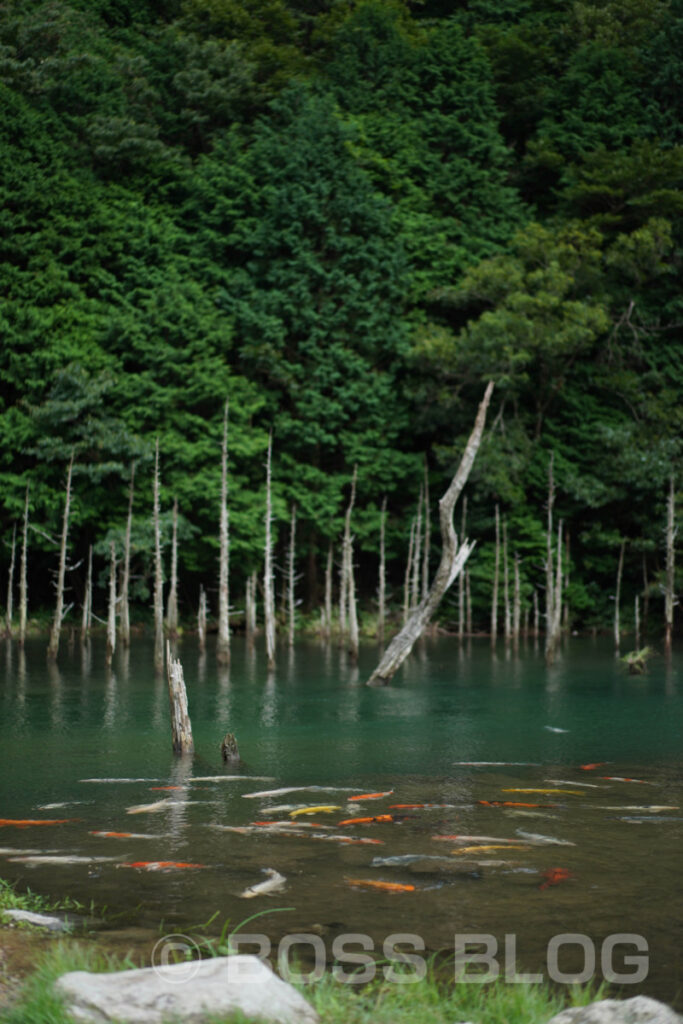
(453, 558)
(181, 728)
(229, 749)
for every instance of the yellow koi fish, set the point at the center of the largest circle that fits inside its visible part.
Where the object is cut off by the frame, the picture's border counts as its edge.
(485, 849)
(324, 809)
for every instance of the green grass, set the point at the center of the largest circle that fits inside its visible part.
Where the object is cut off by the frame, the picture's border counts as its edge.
(381, 1002)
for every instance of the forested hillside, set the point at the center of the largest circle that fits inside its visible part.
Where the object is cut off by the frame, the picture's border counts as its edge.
(345, 217)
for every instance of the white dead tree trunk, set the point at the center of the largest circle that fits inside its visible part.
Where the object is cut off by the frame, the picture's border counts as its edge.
(9, 608)
(86, 620)
(124, 621)
(462, 579)
(567, 563)
(409, 566)
(382, 583)
(537, 614)
(553, 577)
(111, 610)
(291, 579)
(327, 612)
(348, 571)
(181, 728)
(669, 597)
(23, 587)
(417, 555)
(53, 645)
(201, 619)
(496, 576)
(507, 613)
(468, 602)
(617, 596)
(268, 581)
(428, 536)
(158, 572)
(172, 603)
(223, 642)
(517, 605)
(250, 611)
(453, 558)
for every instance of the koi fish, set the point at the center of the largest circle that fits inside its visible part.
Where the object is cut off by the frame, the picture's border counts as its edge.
(231, 778)
(119, 780)
(417, 807)
(511, 803)
(283, 826)
(536, 837)
(366, 821)
(617, 778)
(160, 805)
(123, 835)
(371, 796)
(27, 822)
(167, 787)
(554, 728)
(59, 859)
(553, 876)
(529, 814)
(371, 883)
(348, 840)
(485, 849)
(54, 807)
(282, 808)
(161, 865)
(473, 839)
(592, 767)
(405, 858)
(274, 883)
(324, 809)
(566, 782)
(499, 764)
(516, 789)
(652, 808)
(298, 789)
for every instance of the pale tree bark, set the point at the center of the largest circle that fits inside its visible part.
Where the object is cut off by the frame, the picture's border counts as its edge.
(124, 621)
(201, 619)
(172, 603)
(86, 620)
(517, 605)
(348, 571)
(382, 583)
(567, 553)
(468, 602)
(158, 572)
(417, 555)
(537, 614)
(553, 577)
(453, 558)
(268, 581)
(53, 645)
(427, 536)
(181, 727)
(291, 578)
(669, 597)
(462, 578)
(409, 566)
(327, 627)
(111, 610)
(9, 609)
(23, 571)
(496, 574)
(617, 596)
(223, 642)
(507, 612)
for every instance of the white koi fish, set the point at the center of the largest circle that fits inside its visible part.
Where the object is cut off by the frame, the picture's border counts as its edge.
(566, 782)
(301, 789)
(46, 859)
(232, 778)
(274, 883)
(536, 837)
(158, 805)
(554, 728)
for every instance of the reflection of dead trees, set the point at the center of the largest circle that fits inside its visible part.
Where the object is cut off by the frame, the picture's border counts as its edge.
(669, 598)
(158, 572)
(553, 578)
(223, 642)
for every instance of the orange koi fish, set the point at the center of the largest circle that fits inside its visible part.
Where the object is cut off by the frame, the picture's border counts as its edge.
(371, 796)
(371, 883)
(511, 803)
(553, 876)
(366, 821)
(592, 767)
(26, 822)
(161, 865)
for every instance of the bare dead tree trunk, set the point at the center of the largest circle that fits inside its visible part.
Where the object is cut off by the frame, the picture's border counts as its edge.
(181, 727)
(223, 642)
(328, 591)
(637, 621)
(172, 603)
(565, 612)
(291, 578)
(462, 578)
(201, 619)
(124, 622)
(537, 616)
(496, 573)
(9, 610)
(353, 608)
(453, 558)
(268, 582)
(517, 606)
(427, 536)
(348, 571)
(111, 610)
(86, 620)
(669, 597)
(53, 645)
(553, 595)
(617, 596)
(468, 602)
(23, 571)
(555, 625)
(250, 612)
(417, 555)
(158, 572)
(409, 566)
(507, 614)
(382, 585)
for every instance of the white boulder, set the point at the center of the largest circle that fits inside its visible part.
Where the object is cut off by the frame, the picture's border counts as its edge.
(638, 1010)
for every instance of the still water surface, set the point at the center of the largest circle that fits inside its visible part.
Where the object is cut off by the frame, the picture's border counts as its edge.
(313, 723)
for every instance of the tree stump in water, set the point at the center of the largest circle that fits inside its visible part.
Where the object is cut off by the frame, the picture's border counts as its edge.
(181, 727)
(229, 748)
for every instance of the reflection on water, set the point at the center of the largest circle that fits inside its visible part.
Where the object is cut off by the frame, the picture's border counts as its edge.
(312, 722)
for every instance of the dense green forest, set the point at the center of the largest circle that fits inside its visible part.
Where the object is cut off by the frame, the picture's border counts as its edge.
(345, 217)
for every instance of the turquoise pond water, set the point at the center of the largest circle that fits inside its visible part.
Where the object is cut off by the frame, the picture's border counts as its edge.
(313, 723)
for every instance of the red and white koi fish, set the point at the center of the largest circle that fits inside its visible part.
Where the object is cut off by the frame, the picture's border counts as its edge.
(473, 839)
(123, 835)
(30, 822)
(592, 767)
(371, 796)
(161, 865)
(617, 778)
(371, 883)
